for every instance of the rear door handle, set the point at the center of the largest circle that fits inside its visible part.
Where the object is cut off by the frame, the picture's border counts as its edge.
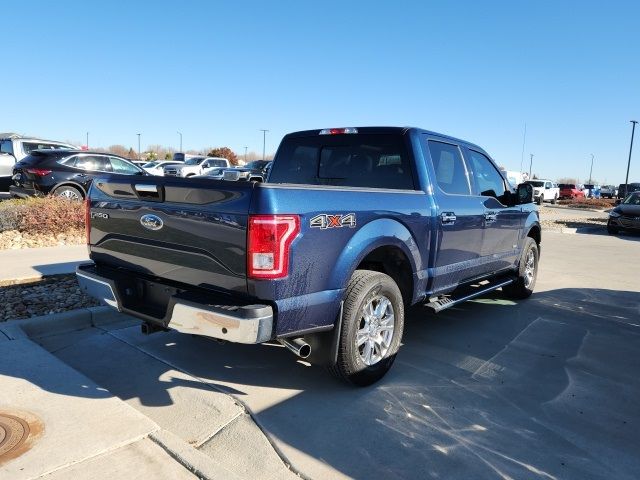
(448, 218)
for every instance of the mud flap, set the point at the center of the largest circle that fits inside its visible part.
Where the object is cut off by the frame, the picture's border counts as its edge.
(324, 345)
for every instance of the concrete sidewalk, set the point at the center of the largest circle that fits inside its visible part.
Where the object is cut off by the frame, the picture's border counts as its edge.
(79, 429)
(28, 263)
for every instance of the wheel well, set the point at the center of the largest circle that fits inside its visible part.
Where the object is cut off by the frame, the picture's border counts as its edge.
(535, 234)
(393, 262)
(70, 184)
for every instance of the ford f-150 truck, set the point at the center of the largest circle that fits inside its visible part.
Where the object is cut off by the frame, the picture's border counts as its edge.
(352, 226)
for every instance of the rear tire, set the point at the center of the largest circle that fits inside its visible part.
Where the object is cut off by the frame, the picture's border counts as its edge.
(68, 192)
(555, 200)
(372, 326)
(527, 272)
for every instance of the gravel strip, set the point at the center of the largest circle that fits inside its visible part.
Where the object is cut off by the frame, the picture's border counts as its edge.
(558, 218)
(14, 240)
(49, 295)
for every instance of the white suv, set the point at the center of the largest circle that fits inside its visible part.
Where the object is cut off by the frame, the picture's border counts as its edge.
(544, 191)
(14, 147)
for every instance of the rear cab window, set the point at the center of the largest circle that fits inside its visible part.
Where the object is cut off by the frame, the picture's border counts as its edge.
(349, 160)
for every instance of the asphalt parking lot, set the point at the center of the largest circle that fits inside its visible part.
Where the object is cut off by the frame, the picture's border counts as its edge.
(544, 388)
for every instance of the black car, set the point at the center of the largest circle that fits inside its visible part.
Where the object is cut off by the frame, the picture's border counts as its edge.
(626, 215)
(252, 171)
(624, 190)
(65, 173)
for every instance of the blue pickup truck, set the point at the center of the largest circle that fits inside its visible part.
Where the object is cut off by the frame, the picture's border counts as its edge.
(352, 226)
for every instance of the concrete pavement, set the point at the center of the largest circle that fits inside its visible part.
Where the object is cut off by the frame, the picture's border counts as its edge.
(28, 263)
(543, 388)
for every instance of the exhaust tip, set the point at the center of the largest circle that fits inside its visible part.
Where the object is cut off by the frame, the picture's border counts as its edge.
(304, 351)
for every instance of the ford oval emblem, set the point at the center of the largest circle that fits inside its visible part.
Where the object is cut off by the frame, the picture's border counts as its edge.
(151, 222)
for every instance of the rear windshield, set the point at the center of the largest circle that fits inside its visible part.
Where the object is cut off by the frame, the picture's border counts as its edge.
(217, 163)
(373, 161)
(567, 185)
(535, 183)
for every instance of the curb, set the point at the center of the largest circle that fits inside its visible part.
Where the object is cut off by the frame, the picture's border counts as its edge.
(191, 458)
(57, 323)
(579, 230)
(561, 207)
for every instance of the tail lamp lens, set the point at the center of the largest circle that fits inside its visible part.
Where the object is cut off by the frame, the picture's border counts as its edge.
(269, 241)
(41, 172)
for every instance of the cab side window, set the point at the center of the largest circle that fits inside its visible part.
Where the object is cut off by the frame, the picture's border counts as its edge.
(448, 164)
(486, 178)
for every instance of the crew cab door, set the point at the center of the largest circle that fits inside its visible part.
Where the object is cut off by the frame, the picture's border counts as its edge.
(502, 223)
(459, 216)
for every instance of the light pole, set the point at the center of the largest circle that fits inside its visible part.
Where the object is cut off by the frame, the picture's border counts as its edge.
(87, 140)
(524, 139)
(530, 164)
(633, 131)
(245, 154)
(138, 146)
(264, 142)
(179, 133)
(591, 171)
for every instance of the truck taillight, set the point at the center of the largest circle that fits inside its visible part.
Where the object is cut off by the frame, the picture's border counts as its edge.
(87, 219)
(269, 238)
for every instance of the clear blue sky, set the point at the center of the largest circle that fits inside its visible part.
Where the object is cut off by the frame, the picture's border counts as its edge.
(220, 71)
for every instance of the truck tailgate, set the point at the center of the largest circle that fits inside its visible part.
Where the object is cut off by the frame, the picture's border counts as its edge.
(191, 231)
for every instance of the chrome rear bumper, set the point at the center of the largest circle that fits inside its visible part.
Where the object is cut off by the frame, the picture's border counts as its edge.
(239, 324)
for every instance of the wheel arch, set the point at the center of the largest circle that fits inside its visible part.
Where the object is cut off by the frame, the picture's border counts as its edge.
(69, 183)
(386, 246)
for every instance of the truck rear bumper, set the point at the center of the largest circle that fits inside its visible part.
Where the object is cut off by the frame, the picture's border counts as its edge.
(251, 323)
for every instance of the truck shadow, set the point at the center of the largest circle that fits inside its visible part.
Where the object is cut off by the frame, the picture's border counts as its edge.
(543, 388)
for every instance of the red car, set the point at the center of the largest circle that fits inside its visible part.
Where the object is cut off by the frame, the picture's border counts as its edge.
(569, 190)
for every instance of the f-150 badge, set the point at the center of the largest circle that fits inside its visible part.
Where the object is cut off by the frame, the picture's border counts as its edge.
(325, 221)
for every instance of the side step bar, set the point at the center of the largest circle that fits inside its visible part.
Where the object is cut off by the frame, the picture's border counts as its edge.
(444, 302)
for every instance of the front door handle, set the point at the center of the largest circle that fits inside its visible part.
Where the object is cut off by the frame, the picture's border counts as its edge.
(448, 218)
(490, 217)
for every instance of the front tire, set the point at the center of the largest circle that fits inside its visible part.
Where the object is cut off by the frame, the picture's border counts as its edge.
(612, 230)
(540, 199)
(524, 284)
(372, 326)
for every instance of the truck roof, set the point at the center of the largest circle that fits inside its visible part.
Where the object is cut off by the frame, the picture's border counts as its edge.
(388, 131)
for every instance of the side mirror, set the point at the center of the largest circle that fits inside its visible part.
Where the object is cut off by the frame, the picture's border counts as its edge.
(524, 193)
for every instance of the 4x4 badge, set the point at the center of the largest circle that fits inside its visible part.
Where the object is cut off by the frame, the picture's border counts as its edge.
(325, 220)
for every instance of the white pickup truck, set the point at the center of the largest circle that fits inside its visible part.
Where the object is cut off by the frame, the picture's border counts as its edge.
(196, 166)
(544, 190)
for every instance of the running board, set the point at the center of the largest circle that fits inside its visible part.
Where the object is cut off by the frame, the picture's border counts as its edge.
(444, 302)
